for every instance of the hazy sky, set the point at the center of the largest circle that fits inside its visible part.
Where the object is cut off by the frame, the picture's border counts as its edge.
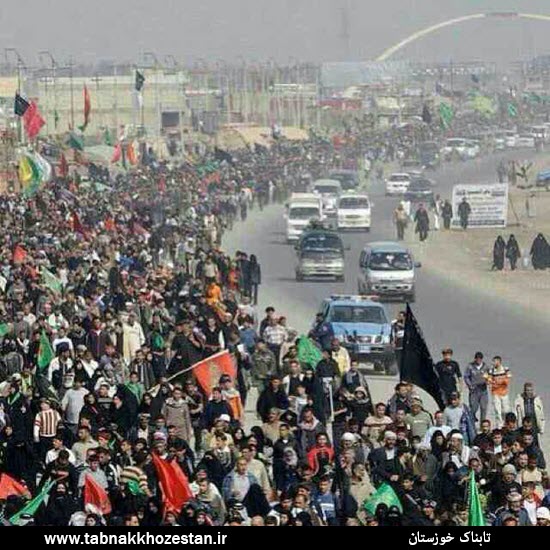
(259, 29)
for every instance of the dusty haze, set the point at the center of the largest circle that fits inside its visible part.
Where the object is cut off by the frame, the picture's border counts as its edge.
(310, 30)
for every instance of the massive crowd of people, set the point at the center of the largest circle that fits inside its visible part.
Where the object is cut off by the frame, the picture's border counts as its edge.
(110, 294)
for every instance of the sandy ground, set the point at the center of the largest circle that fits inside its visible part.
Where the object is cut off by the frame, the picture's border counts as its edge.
(471, 255)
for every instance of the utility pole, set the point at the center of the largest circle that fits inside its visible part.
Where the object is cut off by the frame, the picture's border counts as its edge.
(71, 86)
(180, 95)
(53, 68)
(97, 80)
(156, 66)
(115, 100)
(20, 65)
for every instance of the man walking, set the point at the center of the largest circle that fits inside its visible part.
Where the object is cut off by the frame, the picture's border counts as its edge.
(450, 377)
(422, 220)
(476, 382)
(498, 379)
(529, 404)
(464, 211)
(400, 218)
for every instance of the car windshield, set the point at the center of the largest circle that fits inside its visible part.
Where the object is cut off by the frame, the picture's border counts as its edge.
(400, 177)
(357, 314)
(350, 203)
(321, 242)
(419, 185)
(390, 261)
(303, 212)
(455, 142)
(327, 189)
(429, 147)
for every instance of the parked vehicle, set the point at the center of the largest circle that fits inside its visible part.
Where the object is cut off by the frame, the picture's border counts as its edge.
(526, 141)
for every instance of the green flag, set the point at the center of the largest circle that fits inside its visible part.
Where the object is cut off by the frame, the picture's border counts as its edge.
(36, 170)
(512, 110)
(45, 352)
(5, 328)
(133, 487)
(475, 512)
(107, 138)
(51, 281)
(384, 495)
(446, 114)
(32, 506)
(308, 352)
(75, 141)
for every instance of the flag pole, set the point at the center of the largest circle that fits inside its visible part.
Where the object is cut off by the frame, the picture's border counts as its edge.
(188, 369)
(115, 98)
(71, 65)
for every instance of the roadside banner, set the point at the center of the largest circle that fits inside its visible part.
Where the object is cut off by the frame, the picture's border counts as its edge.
(488, 203)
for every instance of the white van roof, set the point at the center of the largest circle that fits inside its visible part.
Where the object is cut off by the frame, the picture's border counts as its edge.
(386, 246)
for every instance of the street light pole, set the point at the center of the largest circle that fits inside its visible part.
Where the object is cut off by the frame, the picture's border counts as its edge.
(46, 53)
(20, 65)
(156, 66)
(71, 66)
(180, 95)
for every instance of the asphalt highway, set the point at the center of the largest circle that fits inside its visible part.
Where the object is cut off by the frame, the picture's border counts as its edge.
(449, 316)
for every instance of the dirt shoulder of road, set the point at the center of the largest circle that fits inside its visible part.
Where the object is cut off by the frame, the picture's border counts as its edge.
(464, 258)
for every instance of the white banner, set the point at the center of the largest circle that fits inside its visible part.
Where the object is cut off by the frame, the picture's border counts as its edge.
(488, 203)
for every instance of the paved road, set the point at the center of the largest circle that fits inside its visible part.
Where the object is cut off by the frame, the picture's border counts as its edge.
(449, 316)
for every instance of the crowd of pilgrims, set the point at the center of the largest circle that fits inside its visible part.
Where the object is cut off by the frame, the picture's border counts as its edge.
(129, 284)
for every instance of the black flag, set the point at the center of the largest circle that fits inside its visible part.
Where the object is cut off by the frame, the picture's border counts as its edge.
(140, 81)
(222, 156)
(416, 362)
(426, 115)
(21, 105)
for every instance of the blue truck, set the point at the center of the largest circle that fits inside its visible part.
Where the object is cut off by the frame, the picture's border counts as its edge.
(363, 327)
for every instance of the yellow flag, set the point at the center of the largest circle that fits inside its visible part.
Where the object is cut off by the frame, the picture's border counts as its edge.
(25, 170)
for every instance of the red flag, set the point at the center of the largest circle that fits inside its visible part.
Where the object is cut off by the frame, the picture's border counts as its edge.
(87, 106)
(174, 484)
(96, 495)
(63, 166)
(77, 224)
(117, 153)
(19, 254)
(9, 486)
(131, 154)
(208, 371)
(162, 184)
(109, 224)
(32, 120)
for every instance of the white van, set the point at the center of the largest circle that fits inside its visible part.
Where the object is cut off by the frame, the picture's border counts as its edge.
(511, 138)
(301, 210)
(354, 212)
(540, 132)
(387, 270)
(398, 183)
(329, 190)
